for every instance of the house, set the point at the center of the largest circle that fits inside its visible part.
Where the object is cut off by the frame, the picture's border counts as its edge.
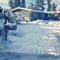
(31, 15)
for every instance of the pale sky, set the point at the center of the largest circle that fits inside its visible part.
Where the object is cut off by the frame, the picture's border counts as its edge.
(4, 0)
(4, 3)
(56, 1)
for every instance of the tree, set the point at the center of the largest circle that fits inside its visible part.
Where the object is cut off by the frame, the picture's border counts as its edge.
(49, 5)
(16, 3)
(31, 5)
(23, 3)
(12, 4)
(54, 7)
(40, 5)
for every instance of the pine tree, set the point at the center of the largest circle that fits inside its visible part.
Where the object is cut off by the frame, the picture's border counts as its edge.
(12, 4)
(31, 5)
(16, 3)
(40, 5)
(23, 3)
(54, 7)
(49, 5)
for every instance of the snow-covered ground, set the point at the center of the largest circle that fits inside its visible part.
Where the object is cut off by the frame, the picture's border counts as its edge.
(32, 42)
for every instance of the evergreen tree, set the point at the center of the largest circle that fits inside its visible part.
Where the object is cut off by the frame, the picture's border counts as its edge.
(16, 3)
(40, 5)
(31, 5)
(12, 4)
(49, 5)
(23, 3)
(54, 7)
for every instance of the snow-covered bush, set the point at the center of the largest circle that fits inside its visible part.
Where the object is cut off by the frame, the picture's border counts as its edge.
(50, 23)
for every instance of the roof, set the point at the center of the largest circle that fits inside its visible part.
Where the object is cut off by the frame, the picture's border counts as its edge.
(19, 8)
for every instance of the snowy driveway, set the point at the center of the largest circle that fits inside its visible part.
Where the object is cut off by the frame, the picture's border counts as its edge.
(33, 39)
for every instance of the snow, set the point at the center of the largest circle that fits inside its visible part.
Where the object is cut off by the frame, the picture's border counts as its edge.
(31, 40)
(23, 22)
(52, 25)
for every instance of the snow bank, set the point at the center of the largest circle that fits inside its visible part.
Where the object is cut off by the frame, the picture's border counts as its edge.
(33, 22)
(23, 22)
(50, 23)
(37, 22)
(54, 23)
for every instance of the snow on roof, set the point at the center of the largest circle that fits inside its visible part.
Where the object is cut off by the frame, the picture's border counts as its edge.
(34, 10)
(21, 9)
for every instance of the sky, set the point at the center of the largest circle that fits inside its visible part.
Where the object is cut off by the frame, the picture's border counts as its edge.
(4, 0)
(4, 3)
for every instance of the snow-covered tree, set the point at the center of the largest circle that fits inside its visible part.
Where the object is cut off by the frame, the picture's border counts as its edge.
(17, 3)
(40, 5)
(49, 5)
(31, 5)
(12, 4)
(54, 7)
